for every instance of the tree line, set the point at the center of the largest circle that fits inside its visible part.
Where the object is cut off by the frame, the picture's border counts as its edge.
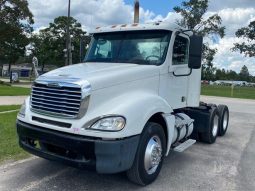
(213, 74)
(49, 44)
(18, 42)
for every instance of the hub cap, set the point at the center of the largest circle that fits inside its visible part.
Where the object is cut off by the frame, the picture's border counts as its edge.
(215, 125)
(153, 154)
(225, 121)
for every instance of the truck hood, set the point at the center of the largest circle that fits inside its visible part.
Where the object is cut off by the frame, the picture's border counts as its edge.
(102, 75)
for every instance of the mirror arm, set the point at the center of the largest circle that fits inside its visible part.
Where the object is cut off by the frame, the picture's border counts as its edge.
(180, 31)
(182, 75)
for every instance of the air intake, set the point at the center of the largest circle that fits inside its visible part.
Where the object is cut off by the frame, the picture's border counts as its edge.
(55, 100)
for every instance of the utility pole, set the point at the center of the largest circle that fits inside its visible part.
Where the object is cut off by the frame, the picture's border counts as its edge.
(81, 49)
(68, 39)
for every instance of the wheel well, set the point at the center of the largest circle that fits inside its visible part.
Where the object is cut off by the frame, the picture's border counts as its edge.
(158, 118)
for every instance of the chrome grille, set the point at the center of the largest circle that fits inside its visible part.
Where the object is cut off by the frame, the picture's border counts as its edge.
(56, 100)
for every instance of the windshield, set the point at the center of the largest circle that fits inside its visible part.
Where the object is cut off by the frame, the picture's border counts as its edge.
(138, 47)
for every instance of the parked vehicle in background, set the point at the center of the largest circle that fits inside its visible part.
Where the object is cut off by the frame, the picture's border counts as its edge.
(250, 84)
(205, 82)
(230, 82)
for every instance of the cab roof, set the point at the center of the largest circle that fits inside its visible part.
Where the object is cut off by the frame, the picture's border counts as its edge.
(137, 26)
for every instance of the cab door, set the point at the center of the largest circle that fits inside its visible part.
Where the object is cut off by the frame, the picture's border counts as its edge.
(178, 74)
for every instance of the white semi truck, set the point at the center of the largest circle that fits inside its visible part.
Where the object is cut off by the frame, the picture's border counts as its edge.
(135, 98)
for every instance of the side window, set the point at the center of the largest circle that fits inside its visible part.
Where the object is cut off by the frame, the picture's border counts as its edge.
(180, 51)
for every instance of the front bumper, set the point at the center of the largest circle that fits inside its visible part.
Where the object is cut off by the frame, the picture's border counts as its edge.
(79, 151)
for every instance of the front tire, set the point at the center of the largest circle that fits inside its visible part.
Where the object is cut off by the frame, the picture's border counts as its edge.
(149, 156)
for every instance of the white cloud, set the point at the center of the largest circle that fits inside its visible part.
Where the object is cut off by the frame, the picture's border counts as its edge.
(36, 31)
(170, 17)
(229, 60)
(234, 18)
(92, 13)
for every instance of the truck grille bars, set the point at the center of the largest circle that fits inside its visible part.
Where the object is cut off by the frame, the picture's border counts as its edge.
(56, 100)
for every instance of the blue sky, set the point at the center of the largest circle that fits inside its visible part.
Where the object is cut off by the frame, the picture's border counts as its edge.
(157, 6)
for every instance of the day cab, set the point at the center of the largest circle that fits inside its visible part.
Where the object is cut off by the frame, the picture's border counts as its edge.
(135, 97)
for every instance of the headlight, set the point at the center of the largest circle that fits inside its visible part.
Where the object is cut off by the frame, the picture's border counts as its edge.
(22, 111)
(111, 123)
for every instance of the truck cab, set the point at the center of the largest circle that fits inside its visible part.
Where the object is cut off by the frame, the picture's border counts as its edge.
(135, 97)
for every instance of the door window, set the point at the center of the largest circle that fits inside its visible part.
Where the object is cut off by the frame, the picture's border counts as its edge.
(180, 51)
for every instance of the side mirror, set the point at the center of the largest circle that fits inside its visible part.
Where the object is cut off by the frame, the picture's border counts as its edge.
(195, 51)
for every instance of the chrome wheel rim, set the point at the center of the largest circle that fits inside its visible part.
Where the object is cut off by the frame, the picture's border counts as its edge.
(215, 125)
(225, 121)
(153, 155)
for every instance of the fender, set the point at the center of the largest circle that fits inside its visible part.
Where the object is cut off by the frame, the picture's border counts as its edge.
(137, 107)
(139, 110)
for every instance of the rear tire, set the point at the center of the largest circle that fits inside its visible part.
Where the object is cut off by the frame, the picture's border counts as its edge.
(149, 156)
(211, 132)
(223, 120)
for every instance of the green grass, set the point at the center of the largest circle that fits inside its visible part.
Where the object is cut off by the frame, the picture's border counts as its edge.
(9, 107)
(9, 148)
(225, 91)
(13, 91)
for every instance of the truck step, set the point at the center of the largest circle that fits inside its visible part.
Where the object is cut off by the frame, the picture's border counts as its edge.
(182, 147)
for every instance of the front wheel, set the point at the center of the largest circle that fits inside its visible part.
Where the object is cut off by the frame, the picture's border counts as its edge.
(149, 156)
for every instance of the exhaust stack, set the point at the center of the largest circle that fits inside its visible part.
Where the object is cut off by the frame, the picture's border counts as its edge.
(136, 11)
